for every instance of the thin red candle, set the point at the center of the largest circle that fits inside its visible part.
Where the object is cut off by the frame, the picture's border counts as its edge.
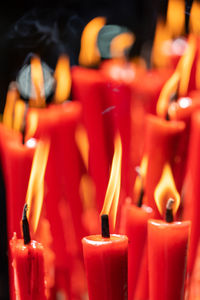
(106, 261)
(28, 266)
(161, 143)
(88, 87)
(135, 227)
(192, 191)
(167, 244)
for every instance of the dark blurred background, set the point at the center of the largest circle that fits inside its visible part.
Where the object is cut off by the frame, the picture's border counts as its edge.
(35, 27)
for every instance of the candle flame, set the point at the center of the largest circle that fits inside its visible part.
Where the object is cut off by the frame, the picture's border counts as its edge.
(186, 63)
(121, 43)
(194, 21)
(32, 123)
(11, 98)
(176, 17)
(19, 115)
(37, 86)
(113, 190)
(168, 89)
(83, 144)
(165, 190)
(35, 192)
(89, 54)
(162, 37)
(63, 79)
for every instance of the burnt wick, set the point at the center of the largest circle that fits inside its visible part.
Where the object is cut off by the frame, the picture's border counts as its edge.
(105, 232)
(169, 211)
(25, 226)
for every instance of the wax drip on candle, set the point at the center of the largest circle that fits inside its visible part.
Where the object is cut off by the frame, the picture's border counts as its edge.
(141, 195)
(25, 226)
(105, 232)
(169, 211)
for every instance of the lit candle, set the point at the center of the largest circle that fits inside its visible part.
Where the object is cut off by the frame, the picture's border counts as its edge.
(106, 255)
(167, 244)
(28, 265)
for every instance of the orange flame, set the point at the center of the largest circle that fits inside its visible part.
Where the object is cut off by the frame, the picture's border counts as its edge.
(194, 21)
(35, 192)
(166, 189)
(82, 143)
(113, 190)
(169, 88)
(89, 54)
(121, 43)
(176, 17)
(11, 98)
(63, 79)
(162, 37)
(32, 123)
(37, 87)
(186, 63)
(19, 115)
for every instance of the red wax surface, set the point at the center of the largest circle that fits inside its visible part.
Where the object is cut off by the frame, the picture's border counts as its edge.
(134, 225)
(88, 87)
(106, 266)
(16, 161)
(28, 268)
(192, 189)
(167, 255)
(161, 146)
(182, 110)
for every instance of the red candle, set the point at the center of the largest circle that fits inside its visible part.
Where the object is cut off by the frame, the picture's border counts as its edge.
(28, 266)
(161, 143)
(135, 227)
(88, 87)
(167, 244)
(106, 266)
(191, 190)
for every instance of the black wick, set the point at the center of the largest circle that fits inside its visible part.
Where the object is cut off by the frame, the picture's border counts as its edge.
(105, 232)
(25, 226)
(169, 211)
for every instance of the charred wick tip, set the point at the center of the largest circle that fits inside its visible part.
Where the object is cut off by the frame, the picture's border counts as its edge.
(169, 211)
(140, 199)
(105, 232)
(25, 226)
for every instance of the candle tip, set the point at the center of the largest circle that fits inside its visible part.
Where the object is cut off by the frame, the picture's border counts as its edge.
(169, 211)
(25, 226)
(105, 232)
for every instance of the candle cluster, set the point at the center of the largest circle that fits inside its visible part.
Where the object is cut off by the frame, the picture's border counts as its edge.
(102, 164)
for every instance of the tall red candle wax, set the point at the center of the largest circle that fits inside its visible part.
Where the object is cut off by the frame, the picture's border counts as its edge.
(167, 244)
(134, 225)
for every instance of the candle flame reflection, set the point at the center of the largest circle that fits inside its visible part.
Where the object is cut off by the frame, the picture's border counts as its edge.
(19, 115)
(63, 79)
(113, 190)
(89, 53)
(35, 192)
(166, 189)
(83, 144)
